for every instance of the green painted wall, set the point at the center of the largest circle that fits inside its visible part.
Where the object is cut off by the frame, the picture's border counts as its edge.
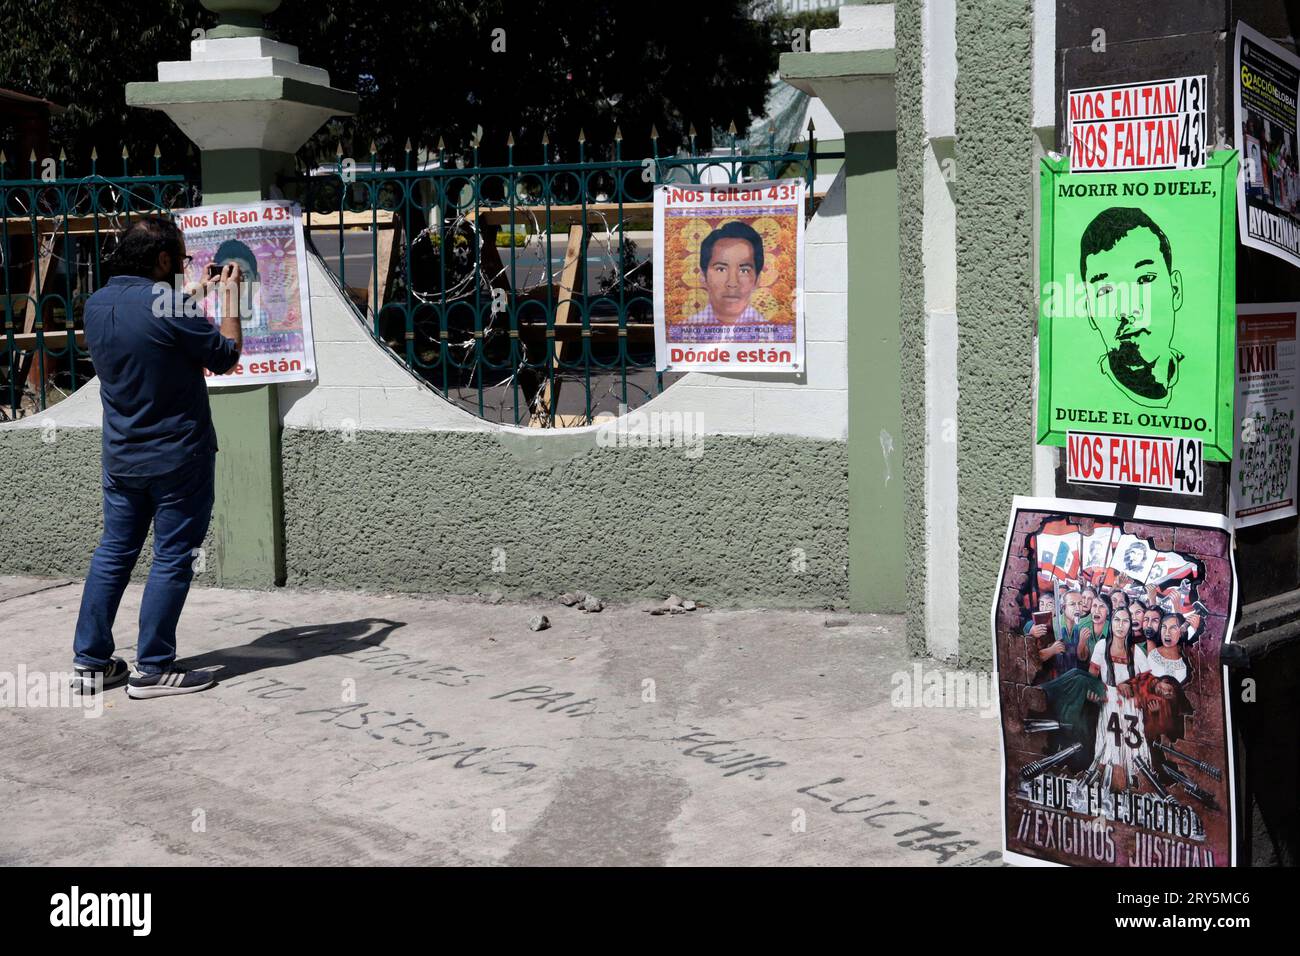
(912, 318)
(407, 511)
(56, 514)
(875, 433)
(995, 295)
(404, 511)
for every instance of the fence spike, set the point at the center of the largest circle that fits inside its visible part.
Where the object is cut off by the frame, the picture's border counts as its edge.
(546, 138)
(125, 153)
(731, 128)
(510, 139)
(338, 150)
(32, 158)
(157, 151)
(94, 154)
(3, 158)
(654, 131)
(811, 126)
(407, 147)
(441, 145)
(618, 133)
(691, 131)
(63, 157)
(373, 148)
(582, 136)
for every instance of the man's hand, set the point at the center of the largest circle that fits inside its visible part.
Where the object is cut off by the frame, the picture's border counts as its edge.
(227, 284)
(1051, 650)
(1038, 631)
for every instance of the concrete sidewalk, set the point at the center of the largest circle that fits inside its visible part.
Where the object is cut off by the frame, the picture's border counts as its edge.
(371, 729)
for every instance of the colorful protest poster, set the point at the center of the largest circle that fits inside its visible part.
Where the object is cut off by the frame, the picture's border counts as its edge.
(1265, 92)
(1160, 124)
(729, 277)
(1268, 395)
(1115, 728)
(266, 239)
(1137, 295)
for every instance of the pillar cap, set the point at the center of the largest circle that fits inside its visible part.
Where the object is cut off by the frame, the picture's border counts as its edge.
(240, 18)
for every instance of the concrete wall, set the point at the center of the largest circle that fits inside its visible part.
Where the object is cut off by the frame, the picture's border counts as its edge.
(995, 293)
(388, 486)
(912, 147)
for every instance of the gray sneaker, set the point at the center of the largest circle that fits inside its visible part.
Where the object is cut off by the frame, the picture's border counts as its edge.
(168, 684)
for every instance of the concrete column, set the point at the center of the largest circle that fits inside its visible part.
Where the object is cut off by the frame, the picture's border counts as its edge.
(248, 104)
(852, 70)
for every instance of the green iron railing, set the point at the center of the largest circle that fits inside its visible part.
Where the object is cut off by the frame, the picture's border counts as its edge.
(469, 273)
(55, 232)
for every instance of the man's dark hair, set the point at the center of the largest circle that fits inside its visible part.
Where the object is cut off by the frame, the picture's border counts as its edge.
(234, 249)
(732, 230)
(139, 246)
(1111, 226)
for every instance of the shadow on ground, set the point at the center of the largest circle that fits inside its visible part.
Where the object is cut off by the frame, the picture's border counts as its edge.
(291, 645)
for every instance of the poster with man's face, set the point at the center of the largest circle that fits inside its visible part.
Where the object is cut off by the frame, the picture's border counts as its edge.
(266, 240)
(728, 277)
(1137, 284)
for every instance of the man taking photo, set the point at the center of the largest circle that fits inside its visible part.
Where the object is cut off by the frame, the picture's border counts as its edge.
(159, 451)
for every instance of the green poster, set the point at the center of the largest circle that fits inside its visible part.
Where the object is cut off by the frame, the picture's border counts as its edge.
(1137, 303)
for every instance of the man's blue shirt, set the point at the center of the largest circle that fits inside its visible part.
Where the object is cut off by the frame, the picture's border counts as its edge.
(150, 368)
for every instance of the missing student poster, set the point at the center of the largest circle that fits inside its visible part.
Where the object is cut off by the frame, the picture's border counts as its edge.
(1116, 733)
(1268, 394)
(729, 277)
(1137, 291)
(1266, 88)
(266, 239)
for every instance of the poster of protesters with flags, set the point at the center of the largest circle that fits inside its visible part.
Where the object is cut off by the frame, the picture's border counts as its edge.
(729, 277)
(1113, 702)
(1266, 91)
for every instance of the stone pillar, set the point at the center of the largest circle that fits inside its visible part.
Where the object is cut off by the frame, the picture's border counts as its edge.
(852, 70)
(248, 104)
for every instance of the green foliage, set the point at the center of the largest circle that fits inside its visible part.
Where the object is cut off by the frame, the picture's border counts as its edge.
(80, 54)
(424, 69)
(427, 68)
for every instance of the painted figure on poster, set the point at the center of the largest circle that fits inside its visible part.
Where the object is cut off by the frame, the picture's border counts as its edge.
(731, 258)
(1133, 297)
(253, 318)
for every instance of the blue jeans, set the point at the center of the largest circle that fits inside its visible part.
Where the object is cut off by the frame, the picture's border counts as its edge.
(179, 505)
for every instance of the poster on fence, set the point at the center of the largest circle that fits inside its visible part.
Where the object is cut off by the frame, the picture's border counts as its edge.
(1113, 702)
(729, 277)
(1264, 466)
(1265, 91)
(266, 239)
(1137, 303)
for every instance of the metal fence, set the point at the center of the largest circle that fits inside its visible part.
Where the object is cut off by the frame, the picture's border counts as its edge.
(56, 231)
(522, 292)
